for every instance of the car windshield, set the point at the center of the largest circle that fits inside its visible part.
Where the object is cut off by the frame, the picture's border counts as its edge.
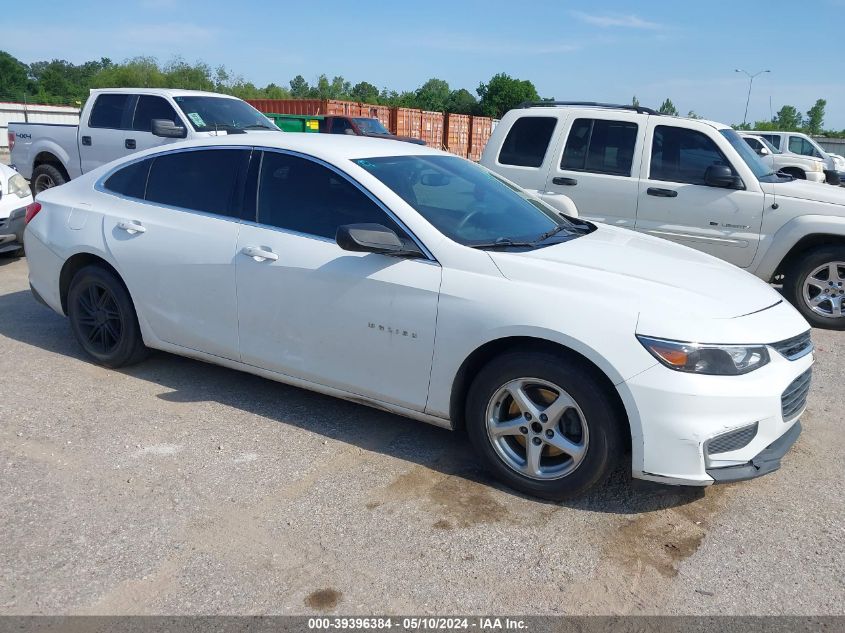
(750, 157)
(371, 126)
(468, 204)
(209, 114)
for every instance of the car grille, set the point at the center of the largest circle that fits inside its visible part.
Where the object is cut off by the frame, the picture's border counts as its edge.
(795, 347)
(732, 441)
(3, 223)
(794, 398)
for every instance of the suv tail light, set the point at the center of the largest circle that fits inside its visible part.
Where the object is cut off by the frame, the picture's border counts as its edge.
(11, 141)
(31, 211)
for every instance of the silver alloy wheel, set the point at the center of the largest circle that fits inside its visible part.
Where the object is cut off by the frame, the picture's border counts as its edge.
(824, 290)
(43, 182)
(537, 428)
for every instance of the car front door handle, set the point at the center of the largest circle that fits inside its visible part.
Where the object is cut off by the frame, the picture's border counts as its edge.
(662, 193)
(131, 226)
(86, 140)
(129, 143)
(560, 180)
(259, 254)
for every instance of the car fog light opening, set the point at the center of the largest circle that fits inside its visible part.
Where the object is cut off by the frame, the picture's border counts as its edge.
(712, 360)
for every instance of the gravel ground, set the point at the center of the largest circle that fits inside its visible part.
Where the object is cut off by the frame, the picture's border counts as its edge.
(177, 487)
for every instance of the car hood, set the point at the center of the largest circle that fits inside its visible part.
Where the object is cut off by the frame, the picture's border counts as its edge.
(643, 273)
(806, 190)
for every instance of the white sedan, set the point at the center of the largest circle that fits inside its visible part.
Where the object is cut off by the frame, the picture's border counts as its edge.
(414, 281)
(15, 195)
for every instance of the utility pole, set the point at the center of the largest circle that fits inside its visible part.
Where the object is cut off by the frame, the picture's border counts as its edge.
(750, 83)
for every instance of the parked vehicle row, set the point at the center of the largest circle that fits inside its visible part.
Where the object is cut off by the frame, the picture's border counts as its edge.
(412, 280)
(798, 144)
(694, 182)
(117, 122)
(788, 164)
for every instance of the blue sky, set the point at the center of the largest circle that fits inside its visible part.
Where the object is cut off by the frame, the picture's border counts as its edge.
(686, 51)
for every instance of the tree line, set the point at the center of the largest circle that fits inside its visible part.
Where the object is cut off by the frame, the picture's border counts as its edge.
(61, 82)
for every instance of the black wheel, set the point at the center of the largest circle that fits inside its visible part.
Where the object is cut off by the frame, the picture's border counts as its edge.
(46, 177)
(103, 318)
(815, 284)
(543, 425)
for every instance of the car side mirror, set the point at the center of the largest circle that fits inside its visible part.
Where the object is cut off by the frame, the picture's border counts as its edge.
(763, 151)
(373, 238)
(720, 176)
(168, 129)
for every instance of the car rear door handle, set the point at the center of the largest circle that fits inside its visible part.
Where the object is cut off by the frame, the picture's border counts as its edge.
(560, 180)
(662, 193)
(129, 143)
(131, 226)
(259, 254)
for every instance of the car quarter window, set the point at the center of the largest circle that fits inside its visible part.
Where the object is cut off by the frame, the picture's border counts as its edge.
(198, 180)
(130, 180)
(301, 195)
(108, 111)
(151, 107)
(683, 155)
(600, 146)
(527, 141)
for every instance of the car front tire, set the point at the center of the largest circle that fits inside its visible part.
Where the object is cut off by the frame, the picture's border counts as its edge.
(103, 318)
(46, 177)
(543, 424)
(815, 285)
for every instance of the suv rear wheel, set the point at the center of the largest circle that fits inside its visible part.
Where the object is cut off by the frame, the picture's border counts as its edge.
(543, 425)
(816, 286)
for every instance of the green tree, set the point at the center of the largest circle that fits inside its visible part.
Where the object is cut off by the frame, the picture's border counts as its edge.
(503, 93)
(272, 91)
(433, 95)
(364, 92)
(299, 88)
(788, 119)
(667, 107)
(14, 79)
(815, 117)
(462, 101)
(692, 115)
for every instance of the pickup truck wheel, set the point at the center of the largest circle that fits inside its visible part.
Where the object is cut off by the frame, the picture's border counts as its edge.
(45, 177)
(103, 318)
(816, 286)
(543, 425)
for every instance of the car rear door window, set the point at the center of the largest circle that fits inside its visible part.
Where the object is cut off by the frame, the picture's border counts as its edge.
(527, 141)
(198, 180)
(151, 107)
(774, 139)
(682, 155)
(108, 111)
(131, 180)
(300, 195)
(600, 146)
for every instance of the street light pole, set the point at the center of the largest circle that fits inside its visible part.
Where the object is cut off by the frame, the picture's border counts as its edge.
(750, 83)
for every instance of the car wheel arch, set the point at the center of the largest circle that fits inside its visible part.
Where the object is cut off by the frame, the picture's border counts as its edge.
(77, 262)
(497, 347)
(804, 245)
(48, 158)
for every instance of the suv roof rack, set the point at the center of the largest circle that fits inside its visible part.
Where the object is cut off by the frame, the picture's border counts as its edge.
(592, 104)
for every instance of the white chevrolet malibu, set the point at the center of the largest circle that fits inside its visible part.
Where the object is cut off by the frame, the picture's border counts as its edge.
(414, 281)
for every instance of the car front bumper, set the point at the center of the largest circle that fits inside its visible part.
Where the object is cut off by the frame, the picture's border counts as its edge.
(680, 414)
(11, 231)
(816, 176)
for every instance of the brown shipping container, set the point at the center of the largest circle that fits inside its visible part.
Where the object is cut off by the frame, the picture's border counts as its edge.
(457, 134)
(431, 128)
(322, 107)
(380, 112)
(406, 122)
(481, 127)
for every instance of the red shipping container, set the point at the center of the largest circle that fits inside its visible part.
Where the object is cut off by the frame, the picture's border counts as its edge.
(481, 127)
(406, 122)
(380, 112)
(307, 107)
(431, 128)
(457, 134)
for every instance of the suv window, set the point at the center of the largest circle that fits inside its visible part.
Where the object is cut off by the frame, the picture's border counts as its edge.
(600, 146)
(149, 108)
(200, 180)
(131, 180)
(682, 155)
(340, 125)
(798, 145)
(774, 139)
(527, 141)
(303, 196)
(108, 111)
(753, 143)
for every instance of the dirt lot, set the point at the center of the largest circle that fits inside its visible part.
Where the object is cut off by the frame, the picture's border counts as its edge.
(180, 487)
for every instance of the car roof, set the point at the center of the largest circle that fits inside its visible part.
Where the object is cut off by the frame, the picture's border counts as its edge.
(329, 147)
(621, 108)
(172, 92)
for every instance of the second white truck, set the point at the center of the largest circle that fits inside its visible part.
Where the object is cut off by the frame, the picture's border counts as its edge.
(118, 121)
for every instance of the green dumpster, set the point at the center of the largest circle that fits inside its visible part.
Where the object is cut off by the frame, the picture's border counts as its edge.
(295, 122)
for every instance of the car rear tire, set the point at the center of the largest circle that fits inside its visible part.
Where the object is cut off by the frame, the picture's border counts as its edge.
(815, 285)
(103, 318)
(543, 425)
(46, 177)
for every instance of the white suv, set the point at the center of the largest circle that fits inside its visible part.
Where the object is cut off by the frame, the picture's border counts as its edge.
(798, 144)
(695, 182)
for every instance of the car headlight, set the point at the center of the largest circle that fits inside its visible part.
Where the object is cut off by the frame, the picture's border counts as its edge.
(19, 186)
(817, 166)
(713, 360)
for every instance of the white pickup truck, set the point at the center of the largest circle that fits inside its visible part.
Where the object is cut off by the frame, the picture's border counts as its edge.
(690, 181)
(795, 165)
(118, 121)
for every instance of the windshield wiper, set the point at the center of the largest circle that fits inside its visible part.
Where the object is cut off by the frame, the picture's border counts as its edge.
(256, 126)
(502, 242)
(550, 233)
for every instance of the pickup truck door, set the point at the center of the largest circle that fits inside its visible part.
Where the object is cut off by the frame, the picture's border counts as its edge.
(104, 134)
(675, 203)
(147, 108)
(597, 163)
